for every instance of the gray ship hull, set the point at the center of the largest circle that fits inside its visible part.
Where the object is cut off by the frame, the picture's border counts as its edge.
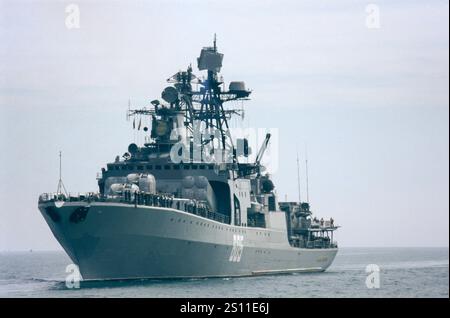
(121, 241)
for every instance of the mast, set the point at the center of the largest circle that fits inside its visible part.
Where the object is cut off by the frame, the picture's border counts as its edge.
(203, 103)
(61, 188)
(298, 179)
(307, 179)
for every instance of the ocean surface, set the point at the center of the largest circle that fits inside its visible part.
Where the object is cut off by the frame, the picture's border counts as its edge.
(404, 272)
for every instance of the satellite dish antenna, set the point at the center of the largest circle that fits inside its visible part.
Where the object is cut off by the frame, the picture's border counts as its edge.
(170, 94)
(133, 148)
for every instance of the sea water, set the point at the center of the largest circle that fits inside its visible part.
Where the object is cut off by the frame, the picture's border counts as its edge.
(403, 272)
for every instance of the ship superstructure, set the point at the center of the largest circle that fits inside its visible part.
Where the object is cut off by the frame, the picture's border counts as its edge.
(188, 203)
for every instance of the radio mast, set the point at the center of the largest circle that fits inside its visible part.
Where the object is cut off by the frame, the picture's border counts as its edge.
(307, 180)
(61, 188)
(298, 179)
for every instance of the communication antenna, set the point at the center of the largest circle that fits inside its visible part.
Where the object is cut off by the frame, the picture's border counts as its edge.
(307, 180)
(298, 179)
(61, 188)
(128, 110)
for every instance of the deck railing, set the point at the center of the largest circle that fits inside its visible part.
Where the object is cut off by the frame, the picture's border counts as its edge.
(321, 244)
(192, 206)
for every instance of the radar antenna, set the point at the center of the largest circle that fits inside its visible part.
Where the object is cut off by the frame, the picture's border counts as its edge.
(202, 103)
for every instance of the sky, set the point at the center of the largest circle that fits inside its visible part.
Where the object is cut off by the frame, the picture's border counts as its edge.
(371, 104)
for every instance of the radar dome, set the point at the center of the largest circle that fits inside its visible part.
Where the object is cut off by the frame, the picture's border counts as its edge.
(133, 148)
(237, 86)
(170, 94)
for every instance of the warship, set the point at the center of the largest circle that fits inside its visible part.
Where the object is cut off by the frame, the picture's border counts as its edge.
(188, 202)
